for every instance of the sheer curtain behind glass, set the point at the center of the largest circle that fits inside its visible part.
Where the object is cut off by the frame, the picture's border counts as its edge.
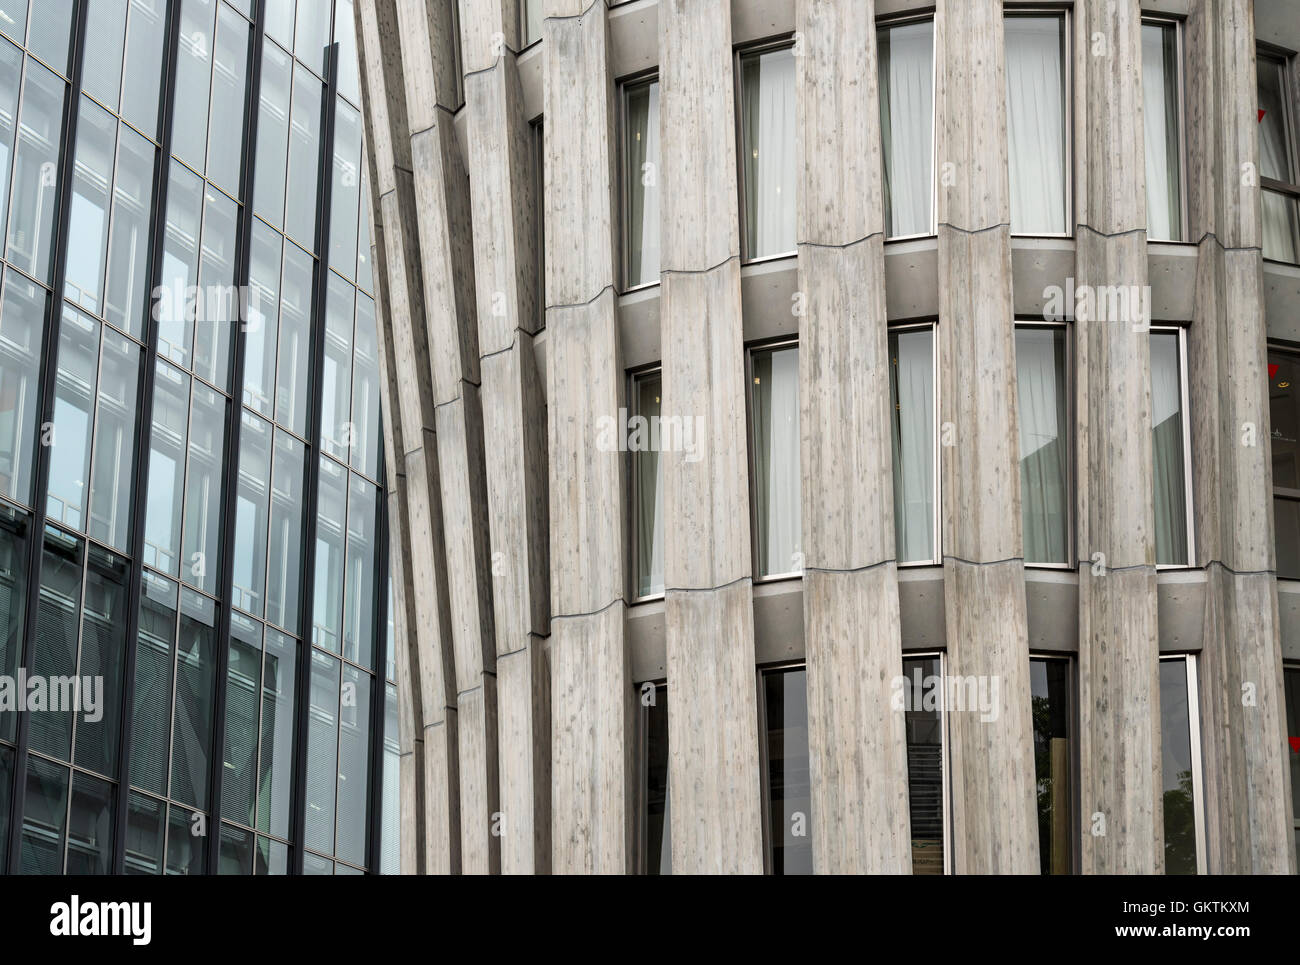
(649, 494)
(1278, 210)
(767, 84)
(1167, 450)
(907, 126)
(1160, 130)
(1044, 491)
(642, 184)
(776, 459)
(912, 394)
(1036, 124)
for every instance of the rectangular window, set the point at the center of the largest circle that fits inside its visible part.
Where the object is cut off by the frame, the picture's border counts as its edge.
(1170, 448)
(789, 788)
(1037, 142)
(774, 420)
(768, 151)
(1291, 689)
(1162, 129)
(641, 182)
(1043, 392)
(539, 204)
(906, 64)
(647, 490)
(914, 409)
(22, 335)
(656, 841)
(1053, 716)
(1278, 168)
(530, 25)
(926, 778)
(1180, 762)
(1284, 417)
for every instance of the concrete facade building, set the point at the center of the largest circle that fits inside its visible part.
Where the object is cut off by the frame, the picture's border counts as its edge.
(841, 435)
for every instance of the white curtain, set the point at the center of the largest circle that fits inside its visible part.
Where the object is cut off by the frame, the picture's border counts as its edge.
(913, 437)
(650, 497)
(776, 437)
(1041, 392)
(1167, 450)
(907, 125)
(1279, 211)
(769, 152)
(1160, 131)
(642, 179)
(1036, 124)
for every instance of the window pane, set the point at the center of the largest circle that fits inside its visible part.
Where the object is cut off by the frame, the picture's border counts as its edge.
(345, 36)
(287, 504)
(1036, 124)
(11, 70)
(15, 527)
(336, 383)
(126, 303)
(362, 586)
(1284, 417)
(113, 470)
(193, 81)
(101, 69)
(776, 460)
(74, 400)
(658, 827)
(1291, 689)
(642, 183)
(1167, 450)
(924, 727)
(912, 397)
(272, 857)
(316, 865)
(279, 20)
(35, 179)
(184, 843)
(88, 229)
(1049, 683)
(1042, 392)
(22, 332)
(145, 826)
(291, 403)
(785, 703)
(1276, 161)
(239, 762)
(767, 86)
(229, 73)
(202, 536)
(252, 514)
(354, 770)
(176, 304)
(49, 32)
(151, 714)
(263, 318)
(390, 856)
(195, 677)
(6, 782)
(145, 39)
(648, 474)
(366, 392)
(1160, 130)
(322, 763)
(330, 523)
(13, 19)
(90, 827)
(45, 810)
(304, 158)
(236, 854)
(272, 134)
(312, 35)
(1176, 769)
(279, 694)
(532, 18)
(103, 656)
(54, 651)
(906, 66)
(345, 197)
(220, 303)
(171, 409)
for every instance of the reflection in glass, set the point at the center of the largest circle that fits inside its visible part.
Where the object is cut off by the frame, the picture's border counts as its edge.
(924, 728)
(145, 827)
(49, 32)
(103, 657)
(1042, 394)
(1281, 214)
(272, 857)
(162, 527)
(201, 541)
(101, 67)
(54, 649)
(193, 80)
(912, 425)
(252, 514)
(1291, 691)
(195, 679)
(126, 301)
(90, 827)
(152, 712)
(286, 539)
(345, 195)
(35, 181)
(229, 74)
(88, 227)
(906, 63)
(145, 40)
(272, 133)
(1169, 470)
(322, 748)
(336, 381)
(1284, 419)
(74, 400)
(1049, 682)
(185, 843)
(113, 467)
(658, 857)
(11, 71)
(641, 181)
(390, 856)
(361, 589)
(22, 331)
(648, 474)
(330, 522)
(1160, 131)
(45, 815)
(263, 319)
(312, 35)
(789, 789)
(235, 855)
(274, 785)
(176, 306)
(15, 527)
(354, 770)
(304, 158)
(366, 391)
(218, 309)
(1036, 123)
(239, 760)
(768, 151)
(293, 376)
(1176, 768)
(775, 403)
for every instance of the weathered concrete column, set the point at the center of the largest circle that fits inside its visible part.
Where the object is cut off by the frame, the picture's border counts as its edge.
(857, 744)
(514, 422)
(1119, 688)
(1243, 736)
(591, 697)
(416, 533)
(713, 771)
(994, 821)
(442, 213)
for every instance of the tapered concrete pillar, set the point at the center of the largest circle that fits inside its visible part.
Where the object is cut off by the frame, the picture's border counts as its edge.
(514, 421)
(713, 770)
(442, 212)
(994, 820)
(591, 697)
(857, 743)
(1119, 689)
(1247, 793)
(416, 533)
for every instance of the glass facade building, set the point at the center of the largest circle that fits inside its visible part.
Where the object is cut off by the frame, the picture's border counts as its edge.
(192, 529)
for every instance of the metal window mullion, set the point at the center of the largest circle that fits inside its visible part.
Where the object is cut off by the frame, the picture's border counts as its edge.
(41, 473)
(230, 483)
(312, 461)
(143, 443)
(378, 690)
